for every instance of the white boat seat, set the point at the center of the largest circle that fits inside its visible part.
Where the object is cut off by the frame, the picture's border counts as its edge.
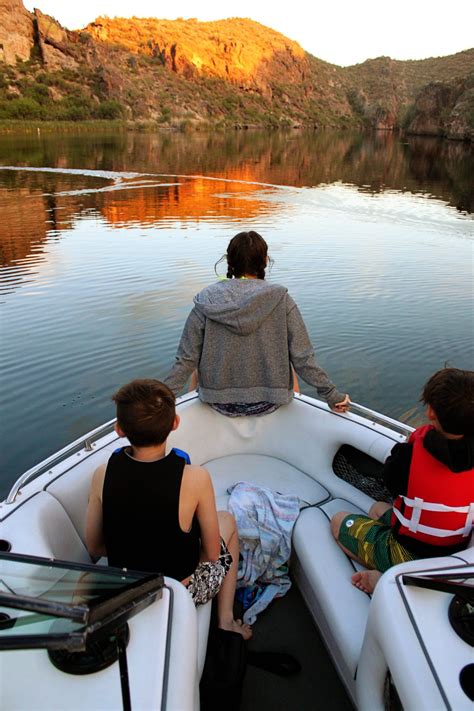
(263, 471)
(324, 574)
(72, 489)
(468, 554)
(203, 620)
(43, 528)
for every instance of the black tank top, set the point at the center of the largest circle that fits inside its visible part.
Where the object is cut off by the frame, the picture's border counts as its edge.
(140, 504)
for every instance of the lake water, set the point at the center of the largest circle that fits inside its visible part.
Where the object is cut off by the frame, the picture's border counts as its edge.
(105, 239)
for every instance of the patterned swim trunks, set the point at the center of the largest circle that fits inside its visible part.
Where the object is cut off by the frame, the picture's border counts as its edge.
(372, 541)
(206, 581)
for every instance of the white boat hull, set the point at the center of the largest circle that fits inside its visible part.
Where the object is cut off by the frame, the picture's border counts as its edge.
(291, 451)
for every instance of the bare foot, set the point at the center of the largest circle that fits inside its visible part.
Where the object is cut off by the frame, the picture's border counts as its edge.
(366, 580)
(237, 626)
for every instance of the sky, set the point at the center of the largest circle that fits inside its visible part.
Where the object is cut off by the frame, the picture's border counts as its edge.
(343, 32)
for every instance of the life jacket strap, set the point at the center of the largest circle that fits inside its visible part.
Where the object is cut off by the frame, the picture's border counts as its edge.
(418, 505)
(417, 508)
(428, 506)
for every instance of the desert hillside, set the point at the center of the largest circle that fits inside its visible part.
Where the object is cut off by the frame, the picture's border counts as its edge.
(233, 72)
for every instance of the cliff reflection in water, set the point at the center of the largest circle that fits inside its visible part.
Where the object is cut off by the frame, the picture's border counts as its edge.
(375, 161)
(35, 207)
(106, 239)
(31, 212)
(30, 216)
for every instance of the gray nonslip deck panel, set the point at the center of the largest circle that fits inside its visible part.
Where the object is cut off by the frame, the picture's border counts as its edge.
(287, 626)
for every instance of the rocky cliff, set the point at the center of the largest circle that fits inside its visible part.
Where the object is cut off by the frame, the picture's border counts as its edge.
(444, 108)
(240, 51)
(232, 72)
(16, 31)
(255, 64)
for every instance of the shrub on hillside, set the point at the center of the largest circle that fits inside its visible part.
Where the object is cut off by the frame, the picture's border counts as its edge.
(73, 108)
(38, 92)
(165, 114)
(21, 108)
(110, 109)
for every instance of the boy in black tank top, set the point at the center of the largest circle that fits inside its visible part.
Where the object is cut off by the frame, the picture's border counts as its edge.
(152, 511)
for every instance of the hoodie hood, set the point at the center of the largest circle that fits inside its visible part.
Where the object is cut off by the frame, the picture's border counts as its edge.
(456, 454)
(241, 305)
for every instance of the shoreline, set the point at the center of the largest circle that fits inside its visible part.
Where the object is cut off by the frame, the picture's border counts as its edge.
(28, 126)
(20, 127)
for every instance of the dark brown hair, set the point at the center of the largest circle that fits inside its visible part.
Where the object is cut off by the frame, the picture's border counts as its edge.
(450, 392)
(247, 254)
(145, 411)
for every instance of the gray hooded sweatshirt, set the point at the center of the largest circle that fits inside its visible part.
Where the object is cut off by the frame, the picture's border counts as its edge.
(242, 336)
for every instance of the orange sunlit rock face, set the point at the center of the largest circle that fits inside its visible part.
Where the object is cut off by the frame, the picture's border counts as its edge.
(16, 32)
(219, 49)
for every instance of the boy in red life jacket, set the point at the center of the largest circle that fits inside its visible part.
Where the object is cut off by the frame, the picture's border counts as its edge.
(431, 478)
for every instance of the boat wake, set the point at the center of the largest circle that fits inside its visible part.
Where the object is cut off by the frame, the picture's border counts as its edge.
(391, 206)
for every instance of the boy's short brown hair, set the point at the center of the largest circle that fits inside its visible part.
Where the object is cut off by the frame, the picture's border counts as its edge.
(145, 411)
(450, 392)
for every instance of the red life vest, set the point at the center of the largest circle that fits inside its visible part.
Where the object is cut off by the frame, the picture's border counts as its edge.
(439, 506)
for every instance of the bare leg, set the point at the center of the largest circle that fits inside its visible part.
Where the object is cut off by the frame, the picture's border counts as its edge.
(193, 383)
(225, 597)
(366, 580)
(378, 509)
(296, 385)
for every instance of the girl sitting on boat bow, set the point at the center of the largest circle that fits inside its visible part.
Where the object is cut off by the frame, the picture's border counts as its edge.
(245, 338)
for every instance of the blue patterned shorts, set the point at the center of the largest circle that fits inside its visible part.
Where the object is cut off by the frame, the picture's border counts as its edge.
(244, 409)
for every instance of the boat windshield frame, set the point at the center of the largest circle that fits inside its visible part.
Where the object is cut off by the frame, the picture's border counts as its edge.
(93, 616)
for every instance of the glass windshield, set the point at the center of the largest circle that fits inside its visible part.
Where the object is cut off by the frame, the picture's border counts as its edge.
(61, 584)
(14, 623)
(40, 597)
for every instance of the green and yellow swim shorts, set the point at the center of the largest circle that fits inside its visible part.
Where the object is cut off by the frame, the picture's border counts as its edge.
(372, 541)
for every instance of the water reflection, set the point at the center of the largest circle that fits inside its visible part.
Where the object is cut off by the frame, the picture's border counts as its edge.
(110, 243)
(371, 161)
(35, 205)
(33, 213)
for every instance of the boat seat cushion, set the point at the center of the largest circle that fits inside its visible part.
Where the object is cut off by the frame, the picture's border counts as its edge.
(72, 489)
(468, 554)
(263, 471)
(326, 579)
(43, 528)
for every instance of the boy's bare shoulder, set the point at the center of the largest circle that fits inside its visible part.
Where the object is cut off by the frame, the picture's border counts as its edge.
(196, 473)
(196, 470)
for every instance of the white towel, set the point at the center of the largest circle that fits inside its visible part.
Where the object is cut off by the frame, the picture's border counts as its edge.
(265, 521)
